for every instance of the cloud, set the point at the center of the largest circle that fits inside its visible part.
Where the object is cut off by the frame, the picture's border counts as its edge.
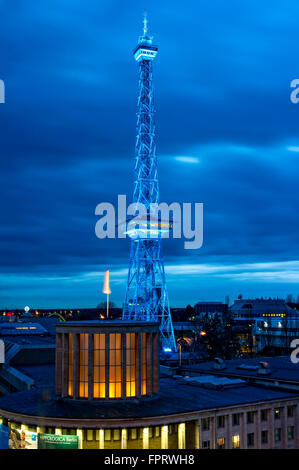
(187, 159)
(226, 136)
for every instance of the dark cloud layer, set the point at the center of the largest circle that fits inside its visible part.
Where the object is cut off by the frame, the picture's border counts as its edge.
(222, 86)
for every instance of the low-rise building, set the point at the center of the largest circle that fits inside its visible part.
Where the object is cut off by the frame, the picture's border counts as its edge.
(272, 324)
(109, 394)
(210, 309)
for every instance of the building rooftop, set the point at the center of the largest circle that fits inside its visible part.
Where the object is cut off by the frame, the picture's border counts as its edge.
(42, 374)
(106, 323)
(262, 306)
(21, 328)
(30, 340)
(175, 397)
(280, 368)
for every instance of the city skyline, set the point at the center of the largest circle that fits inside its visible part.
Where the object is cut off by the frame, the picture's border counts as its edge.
(226, 136)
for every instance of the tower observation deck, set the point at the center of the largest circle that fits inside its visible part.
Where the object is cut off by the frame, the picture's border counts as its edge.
(146, 294)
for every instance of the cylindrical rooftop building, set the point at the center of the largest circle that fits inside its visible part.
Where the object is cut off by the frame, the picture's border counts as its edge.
(107, 360)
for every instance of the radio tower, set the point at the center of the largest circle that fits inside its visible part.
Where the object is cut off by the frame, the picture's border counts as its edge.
(146, 295)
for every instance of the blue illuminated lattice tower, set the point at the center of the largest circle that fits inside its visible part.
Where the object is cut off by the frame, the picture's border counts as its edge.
(146, 295)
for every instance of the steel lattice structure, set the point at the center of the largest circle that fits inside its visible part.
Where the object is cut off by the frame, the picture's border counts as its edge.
(146, 295)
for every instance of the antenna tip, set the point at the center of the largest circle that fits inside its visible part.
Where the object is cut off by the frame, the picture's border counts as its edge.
(145, 22)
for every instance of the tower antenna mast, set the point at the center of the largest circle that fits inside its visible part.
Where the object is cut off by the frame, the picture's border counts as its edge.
(146, 294)
(145, 23)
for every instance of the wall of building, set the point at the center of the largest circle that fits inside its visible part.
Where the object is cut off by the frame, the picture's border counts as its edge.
(272, 425)
(247, 428)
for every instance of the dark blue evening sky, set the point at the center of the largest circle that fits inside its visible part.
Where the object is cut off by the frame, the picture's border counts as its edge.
(222, 92)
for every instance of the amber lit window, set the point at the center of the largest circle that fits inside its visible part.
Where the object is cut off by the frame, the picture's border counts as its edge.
(236, 441)
(71, 366)
(83, 383)
(220, 443)
(115, 365)
(99, 365)
(143, 364)
(131, 364)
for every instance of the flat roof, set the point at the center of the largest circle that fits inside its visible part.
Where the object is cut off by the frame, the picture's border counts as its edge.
(108, 322)
(34, 340)
(42, 374)
(281, 368)
(174, 398)
(21, 329)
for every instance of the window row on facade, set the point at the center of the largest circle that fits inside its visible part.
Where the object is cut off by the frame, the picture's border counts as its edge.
(250, 417)
(251, 439)
(171, 436)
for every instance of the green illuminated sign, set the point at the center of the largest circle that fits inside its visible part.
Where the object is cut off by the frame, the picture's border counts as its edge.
(57, 441)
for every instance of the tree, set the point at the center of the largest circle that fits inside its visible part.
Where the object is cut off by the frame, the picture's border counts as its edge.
(219, 337)
(189, 312)
(268, 335)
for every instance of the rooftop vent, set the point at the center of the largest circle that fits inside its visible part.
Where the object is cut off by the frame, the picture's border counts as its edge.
(219, 363)
(264, 368)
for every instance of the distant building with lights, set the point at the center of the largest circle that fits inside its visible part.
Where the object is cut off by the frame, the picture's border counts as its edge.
(210, 309)
(273, 323)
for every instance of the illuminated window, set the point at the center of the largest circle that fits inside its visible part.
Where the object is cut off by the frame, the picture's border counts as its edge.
(99, 366)
(71, 361)
(143, 364)
(83, 370)
(236, 441)
(131, 364)
(220, 443)
(89, 435)
(115, 365)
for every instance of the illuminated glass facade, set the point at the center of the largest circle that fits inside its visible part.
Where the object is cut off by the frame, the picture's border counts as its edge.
(131, 364)
(115, 365)
(143, 363)
(107, 360)
(83, 371)
(70, 363)
(99, 348)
